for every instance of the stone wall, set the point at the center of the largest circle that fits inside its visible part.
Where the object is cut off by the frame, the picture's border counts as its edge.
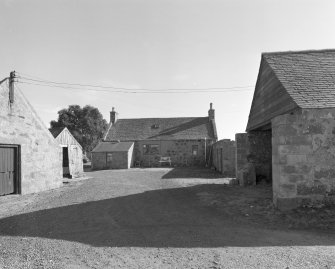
(224, 157)
(98, 160)
(180, 152)
(120, 160)
(41, 156)
(304, 157)
(75, 160)
(253, 157)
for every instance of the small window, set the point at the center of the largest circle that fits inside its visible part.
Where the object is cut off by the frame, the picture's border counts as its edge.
(155, 126)
(109, 157)
(195, 150)
(150, 149)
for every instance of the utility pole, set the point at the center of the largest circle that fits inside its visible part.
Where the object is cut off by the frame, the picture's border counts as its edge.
(11, 87)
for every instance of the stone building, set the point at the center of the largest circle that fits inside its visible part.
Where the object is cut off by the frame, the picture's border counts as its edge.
(186, 141)
(113, 155)
(224, 157)
(30, 158)
(291, 129)
(72, 152)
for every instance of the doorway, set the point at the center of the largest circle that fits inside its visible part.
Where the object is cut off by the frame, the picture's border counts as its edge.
(66, 169)
(10, 169)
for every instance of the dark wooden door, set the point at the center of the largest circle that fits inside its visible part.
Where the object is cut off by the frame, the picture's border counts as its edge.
(7, 170)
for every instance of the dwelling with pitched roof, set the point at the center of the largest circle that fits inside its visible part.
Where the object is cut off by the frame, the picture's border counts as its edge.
(186, 141)
(290, 137)
(72, 152)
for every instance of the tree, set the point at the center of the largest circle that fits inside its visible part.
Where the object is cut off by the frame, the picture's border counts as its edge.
(86, 124)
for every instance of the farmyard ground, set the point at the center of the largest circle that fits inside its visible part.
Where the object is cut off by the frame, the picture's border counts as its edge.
(161, 218)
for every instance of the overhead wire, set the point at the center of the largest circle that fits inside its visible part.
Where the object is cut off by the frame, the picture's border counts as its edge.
(104, 88)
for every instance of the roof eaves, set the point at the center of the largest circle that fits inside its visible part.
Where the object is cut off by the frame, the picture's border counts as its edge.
(296, 52)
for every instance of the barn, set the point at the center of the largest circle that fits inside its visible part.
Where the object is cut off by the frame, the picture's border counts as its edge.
(113, 155)
(72, 152)
(290, 139)
(30, 158)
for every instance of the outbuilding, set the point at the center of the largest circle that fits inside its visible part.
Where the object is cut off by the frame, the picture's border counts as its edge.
(30, 158)
(72, 152)
(290, 133)
(113, 155)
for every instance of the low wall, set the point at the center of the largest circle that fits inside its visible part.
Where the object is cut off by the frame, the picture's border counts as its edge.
(303, 158)
(224, 157)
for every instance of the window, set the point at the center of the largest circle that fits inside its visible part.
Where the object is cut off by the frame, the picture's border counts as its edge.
(150, 149)
(195, 150)
(109, 157)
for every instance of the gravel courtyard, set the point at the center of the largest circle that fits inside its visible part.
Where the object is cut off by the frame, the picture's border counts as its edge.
(161, 218)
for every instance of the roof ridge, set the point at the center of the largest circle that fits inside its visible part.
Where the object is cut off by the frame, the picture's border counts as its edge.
(297, 52)
(161, 118)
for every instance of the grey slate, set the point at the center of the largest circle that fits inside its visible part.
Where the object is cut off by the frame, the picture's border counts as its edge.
(161, 129)
(113, 147)
(307, 76)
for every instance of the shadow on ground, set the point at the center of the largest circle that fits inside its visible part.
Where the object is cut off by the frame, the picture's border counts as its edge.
(158, 218)
(196, 172)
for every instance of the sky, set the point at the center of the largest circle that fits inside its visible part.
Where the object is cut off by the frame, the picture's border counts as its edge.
(150, 44)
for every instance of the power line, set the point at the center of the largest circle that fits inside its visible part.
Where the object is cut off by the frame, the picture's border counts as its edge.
(131, 92)
(42, 82)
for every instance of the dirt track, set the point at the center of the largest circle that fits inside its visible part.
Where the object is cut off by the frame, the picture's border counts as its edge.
(156, 218)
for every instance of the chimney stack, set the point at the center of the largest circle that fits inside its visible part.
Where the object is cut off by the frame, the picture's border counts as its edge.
(113, 116)
(211, 112)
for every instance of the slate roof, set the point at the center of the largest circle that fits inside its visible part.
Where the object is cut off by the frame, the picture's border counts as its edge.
(113, 147)
(307, 76)
(161, 129)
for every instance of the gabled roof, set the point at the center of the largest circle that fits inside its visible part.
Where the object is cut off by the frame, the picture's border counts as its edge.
(161, 129)
(292, 80)
(113, 147)
(307, 76)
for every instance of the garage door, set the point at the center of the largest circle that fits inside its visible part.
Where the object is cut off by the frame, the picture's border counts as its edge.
(7, 169)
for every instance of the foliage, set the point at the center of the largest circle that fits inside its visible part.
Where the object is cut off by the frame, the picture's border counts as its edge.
(86, 124)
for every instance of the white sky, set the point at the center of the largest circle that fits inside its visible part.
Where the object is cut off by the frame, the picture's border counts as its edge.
(155, 44)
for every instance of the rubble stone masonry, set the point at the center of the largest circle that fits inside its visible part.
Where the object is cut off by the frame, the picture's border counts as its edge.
(224, 157)
(303, 158)
(41, 165)
(180, 152)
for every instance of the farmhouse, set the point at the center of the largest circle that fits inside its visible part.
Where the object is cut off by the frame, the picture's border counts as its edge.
(30, 158)
(182, 141)
(72, 152)
(291, 129)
